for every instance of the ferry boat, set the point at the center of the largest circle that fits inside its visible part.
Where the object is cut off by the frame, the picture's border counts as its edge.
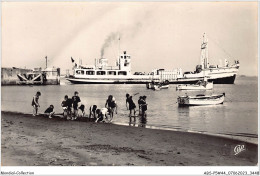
(101, 73)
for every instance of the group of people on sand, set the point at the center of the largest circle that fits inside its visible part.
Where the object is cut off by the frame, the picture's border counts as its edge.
(71, 107)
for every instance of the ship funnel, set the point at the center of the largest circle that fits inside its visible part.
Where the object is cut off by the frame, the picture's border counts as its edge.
(124, 52)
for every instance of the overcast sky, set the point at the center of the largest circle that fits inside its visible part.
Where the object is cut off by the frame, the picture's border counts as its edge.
(156, 34)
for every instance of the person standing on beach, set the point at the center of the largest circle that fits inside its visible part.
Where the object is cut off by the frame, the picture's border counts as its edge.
(111, 105)
(35, 103)
(66, 106)
(75, 101)
(131, 104)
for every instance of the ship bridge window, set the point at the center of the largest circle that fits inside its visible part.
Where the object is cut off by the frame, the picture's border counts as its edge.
(90, 72)
(101, 72)
(82, 72)
(77, 72)
(122, 73)
(112, 73)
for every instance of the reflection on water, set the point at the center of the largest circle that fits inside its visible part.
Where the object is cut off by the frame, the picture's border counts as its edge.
(237, 116)
(142, 121)
(138, 121)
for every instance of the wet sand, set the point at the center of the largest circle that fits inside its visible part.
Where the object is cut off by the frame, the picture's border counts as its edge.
(40, 141)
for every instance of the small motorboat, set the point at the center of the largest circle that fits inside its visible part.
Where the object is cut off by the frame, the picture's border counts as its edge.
(200, 85)
(201, 100)
(158, 85)
(164, 84)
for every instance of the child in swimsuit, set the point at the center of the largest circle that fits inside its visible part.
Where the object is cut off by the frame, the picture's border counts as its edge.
(75, 101)
(92, 111)
(66, 106)
(49, 111)
(111, 105)
(131, 104)
(101, 113)
(143, 106)
(35, 103)
(140, 104)
(82, 108)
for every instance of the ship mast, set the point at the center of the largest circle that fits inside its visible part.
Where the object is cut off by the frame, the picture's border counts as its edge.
(118, 45)
(46, 62)
(204, 52)
(118, 61)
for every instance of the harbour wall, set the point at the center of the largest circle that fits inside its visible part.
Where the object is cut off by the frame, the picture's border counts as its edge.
(9, 76)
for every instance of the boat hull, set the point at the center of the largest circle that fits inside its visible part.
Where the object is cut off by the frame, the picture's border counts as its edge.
(88, 81)
(201, 101)
(157, 86)
(216, 80)
(222, 80)
(225, 80)
(164, 86)
(195, 87)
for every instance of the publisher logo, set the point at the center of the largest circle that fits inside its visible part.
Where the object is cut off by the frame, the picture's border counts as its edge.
(239, 148)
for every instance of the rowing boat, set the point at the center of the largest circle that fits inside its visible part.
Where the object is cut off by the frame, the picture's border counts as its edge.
(200, 100)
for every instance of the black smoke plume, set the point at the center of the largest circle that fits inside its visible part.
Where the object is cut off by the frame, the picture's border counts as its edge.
(111, 37)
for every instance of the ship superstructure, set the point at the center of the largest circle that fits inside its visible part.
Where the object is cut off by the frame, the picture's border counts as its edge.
(102, 73)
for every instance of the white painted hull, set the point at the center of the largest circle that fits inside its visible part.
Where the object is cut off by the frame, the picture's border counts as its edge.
(143, 79)
(164, 86)
(93, 81)
(201, 100)
(156, 87)
(195, 87)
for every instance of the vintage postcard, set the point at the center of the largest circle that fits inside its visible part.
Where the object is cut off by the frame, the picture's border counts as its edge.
(129, 84)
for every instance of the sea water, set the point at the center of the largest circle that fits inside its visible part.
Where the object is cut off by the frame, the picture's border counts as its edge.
(237, 117)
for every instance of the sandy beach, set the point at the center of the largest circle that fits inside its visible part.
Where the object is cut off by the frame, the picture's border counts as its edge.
(40, 141)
